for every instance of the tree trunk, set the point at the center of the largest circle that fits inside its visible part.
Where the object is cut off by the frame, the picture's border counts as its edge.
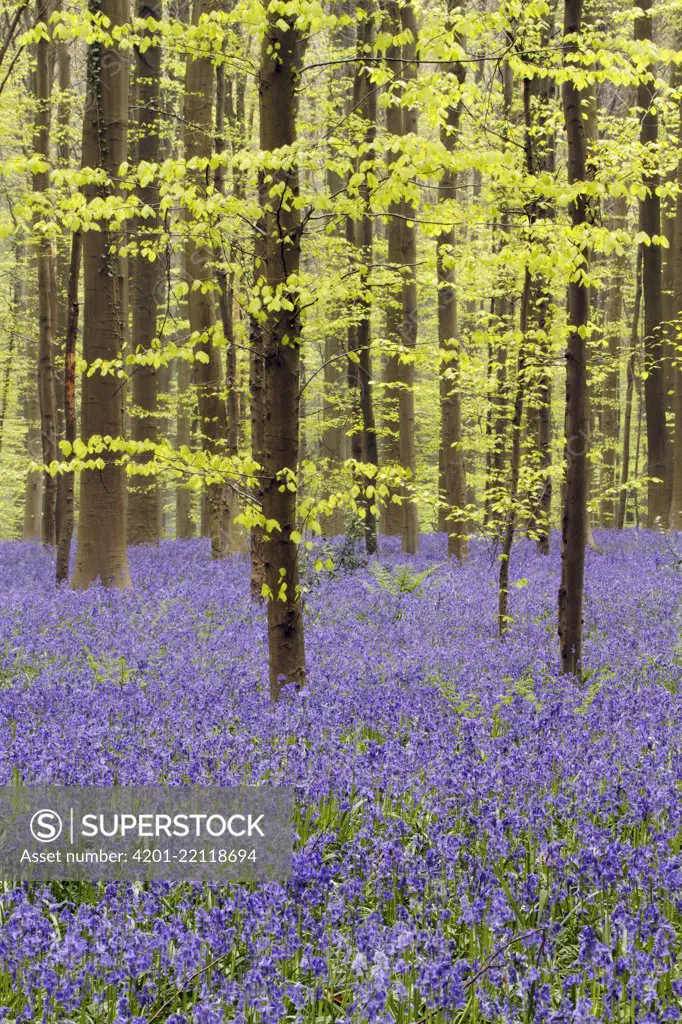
(451, 454)
(393, 514)
(146, 291)
(610, 420)
(63, 264)
(408, 458)
(47, 285)
(575, 509)
(184, 525)
(67, 489)
(101, 550)
(650, 222)
(256, 384)
(629, 389)
(33, 495)
(236, 541)
(366, 104)
(208, 375)
(676, 500)
(281, 57)
(515, 467)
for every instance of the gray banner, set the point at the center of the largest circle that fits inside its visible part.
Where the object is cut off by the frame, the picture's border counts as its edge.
(146, 833)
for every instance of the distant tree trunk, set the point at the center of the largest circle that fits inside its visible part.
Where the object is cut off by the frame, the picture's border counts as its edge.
(611, 387)
(24, 297)
(334, 438)
(629, 389)
(184, 525)
(146, 289)
(515, 467)
(650, 222)
(63, 263)
(256, 384)
(208, 376)
(544, 156)
(451, 454)
(236, 540)
(676, 501)
(70, 340)
(502, 307)
(281, 58)
(393, 514)
(101, 550)
(365, 93)
(47, 284)
(408, 458)
(575, 509)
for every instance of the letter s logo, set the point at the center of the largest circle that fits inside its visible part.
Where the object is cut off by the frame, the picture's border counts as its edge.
(46, 826)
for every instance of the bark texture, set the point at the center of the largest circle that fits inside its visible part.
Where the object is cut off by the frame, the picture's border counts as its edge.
(281, 57)
(101, 546)
(575, 507)
(146, 292)
(654, 335)
(208, 373)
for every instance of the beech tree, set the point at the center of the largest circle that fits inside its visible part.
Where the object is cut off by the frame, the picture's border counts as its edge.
(281, 60)
(101, 545)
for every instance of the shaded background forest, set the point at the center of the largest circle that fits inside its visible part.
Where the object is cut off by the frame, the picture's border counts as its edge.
(322, 267)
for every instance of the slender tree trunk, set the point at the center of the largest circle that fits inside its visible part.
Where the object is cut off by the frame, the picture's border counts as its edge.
(650, 222)
(451, 454)
(101, 550)
(515, 467)
(575, 509)
(334, 437)
(503, 307)
(629, 389)
(33, 495)
(281, 57)
(146, 289)
(67, 490)
(256, 385)
(544, 158)
(47, 284)
(611, 385)
(63, 260)
(366, 104)
(208, 374)
(184, 525)
(236, 540)
(676, 500)
(406, 402)
(393, 514)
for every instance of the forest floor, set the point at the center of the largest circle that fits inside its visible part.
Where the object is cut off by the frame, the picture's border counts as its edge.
(478, 838)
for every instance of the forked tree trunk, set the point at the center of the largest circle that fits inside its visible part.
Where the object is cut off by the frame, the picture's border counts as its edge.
(654, 335)
(101, 548)
(146, 289)
(47, 284)
(451, 454)
(575, 509)
(281, 57)
(208, 375)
